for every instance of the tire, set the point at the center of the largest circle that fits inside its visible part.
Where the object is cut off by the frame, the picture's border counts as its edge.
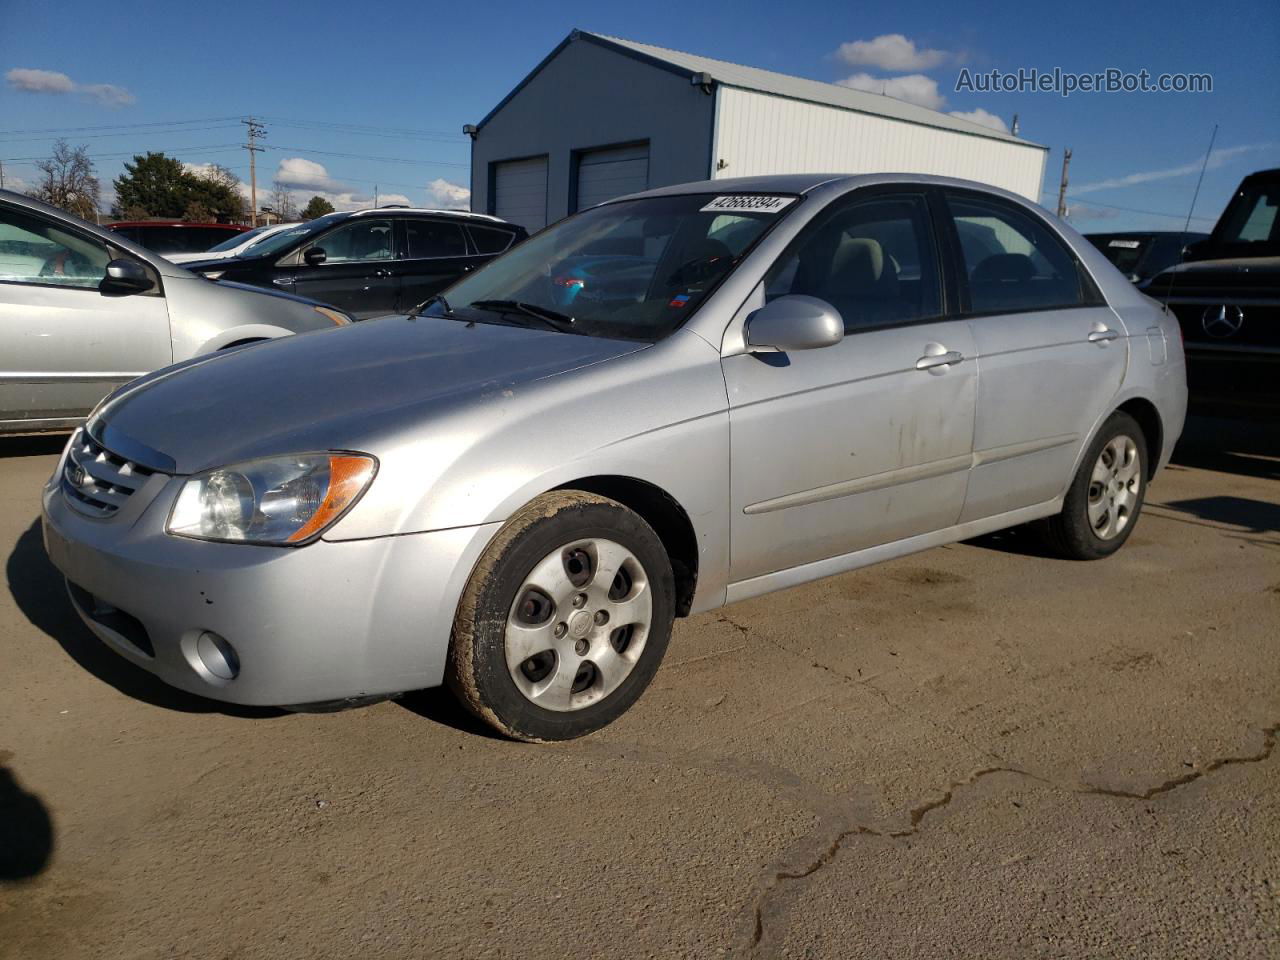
(539, 650)
(1106, 496)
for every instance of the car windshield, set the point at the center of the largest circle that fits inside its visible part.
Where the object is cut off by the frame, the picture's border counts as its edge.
(632, 270)
(287, 238)
(235, 240)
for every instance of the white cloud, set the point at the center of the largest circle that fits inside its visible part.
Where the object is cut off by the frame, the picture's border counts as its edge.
(15, 183)
(913, 88)
(302, 173)
(1217, 159)
(892, 52)
(28, 80)
(449, 196)
(983, 117)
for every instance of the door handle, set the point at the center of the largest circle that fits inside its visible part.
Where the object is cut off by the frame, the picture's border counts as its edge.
(382, 273)
(1101, 336)
(931, 360)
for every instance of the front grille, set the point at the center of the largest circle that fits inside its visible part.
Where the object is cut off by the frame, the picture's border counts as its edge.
(96, 481)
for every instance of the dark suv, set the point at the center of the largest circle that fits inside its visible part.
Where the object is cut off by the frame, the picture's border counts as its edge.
(175, 236)
(1140, 255)
(370, 262)
(1226, 296)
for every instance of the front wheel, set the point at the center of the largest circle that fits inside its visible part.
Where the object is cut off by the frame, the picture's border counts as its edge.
(1106, 496)
(565, 620)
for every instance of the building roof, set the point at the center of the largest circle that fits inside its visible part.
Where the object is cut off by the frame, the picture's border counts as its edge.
(777, 84)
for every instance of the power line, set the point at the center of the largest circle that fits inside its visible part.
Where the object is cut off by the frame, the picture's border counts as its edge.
(362, 156)
(128, 126)
(122, 133)
(1149, 213)
(207, 148)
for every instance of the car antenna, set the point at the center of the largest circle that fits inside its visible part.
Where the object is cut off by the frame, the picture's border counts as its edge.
(1186, 227)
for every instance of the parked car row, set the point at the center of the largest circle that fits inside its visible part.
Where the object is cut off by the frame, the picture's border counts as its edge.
(660, 405)
(167, 237)
(1226, 297)
(84, 310)
(368, 262)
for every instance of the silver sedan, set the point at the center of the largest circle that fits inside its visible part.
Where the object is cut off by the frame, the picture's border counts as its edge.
(664, 404)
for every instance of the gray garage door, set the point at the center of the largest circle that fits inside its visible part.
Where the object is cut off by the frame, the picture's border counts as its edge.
(605, 174)
(520, 192)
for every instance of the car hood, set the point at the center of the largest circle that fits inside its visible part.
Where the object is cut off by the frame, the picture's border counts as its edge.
(334, 389)
(1259, 275)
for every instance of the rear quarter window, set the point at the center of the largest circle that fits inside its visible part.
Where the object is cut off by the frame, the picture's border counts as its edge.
(490, 239)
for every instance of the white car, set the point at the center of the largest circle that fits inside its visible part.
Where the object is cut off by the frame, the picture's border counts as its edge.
(230, 247)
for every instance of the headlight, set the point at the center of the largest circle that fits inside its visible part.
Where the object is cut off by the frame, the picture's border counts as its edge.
(339, 318)
(284, 500)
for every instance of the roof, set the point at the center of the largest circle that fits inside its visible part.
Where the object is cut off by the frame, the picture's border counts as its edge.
(777, 84)
(232, 227)
(384, 211)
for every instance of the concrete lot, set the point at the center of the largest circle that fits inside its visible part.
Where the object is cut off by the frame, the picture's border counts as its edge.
(977, 751)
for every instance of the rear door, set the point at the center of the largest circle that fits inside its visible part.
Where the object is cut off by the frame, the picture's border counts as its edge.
(358, 273)
(436, 253)
(64, 344)
(520, 192)
(1051, 354)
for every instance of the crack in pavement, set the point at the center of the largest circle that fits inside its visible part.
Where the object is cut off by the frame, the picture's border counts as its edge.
(865, 682)
(920, 812)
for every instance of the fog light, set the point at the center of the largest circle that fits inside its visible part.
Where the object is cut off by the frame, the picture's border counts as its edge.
(218, 656)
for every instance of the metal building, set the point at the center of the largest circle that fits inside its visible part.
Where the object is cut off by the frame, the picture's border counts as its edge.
(601, 117)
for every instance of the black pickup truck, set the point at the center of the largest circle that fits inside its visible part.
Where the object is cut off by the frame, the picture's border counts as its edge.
(1226, 296)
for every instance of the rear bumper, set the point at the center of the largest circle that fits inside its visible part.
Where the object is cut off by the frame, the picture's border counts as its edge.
(1230, 381)
(323, 622)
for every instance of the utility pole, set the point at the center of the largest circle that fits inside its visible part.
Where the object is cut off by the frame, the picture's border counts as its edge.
(1062, 190)
(256, 132)
(1, 176)
(375, 195)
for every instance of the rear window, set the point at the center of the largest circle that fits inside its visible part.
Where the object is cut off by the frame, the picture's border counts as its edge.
(171, 239)
(490, 240)
(434, 238)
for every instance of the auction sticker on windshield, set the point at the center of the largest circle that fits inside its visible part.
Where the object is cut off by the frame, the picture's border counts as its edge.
(742, 203)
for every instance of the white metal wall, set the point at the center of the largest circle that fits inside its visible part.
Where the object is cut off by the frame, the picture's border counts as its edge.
(758, 133)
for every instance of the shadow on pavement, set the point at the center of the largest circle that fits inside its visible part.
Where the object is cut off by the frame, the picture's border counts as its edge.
(36, 445)
(440, 706)
(26, 830)
(1246, 447)
(1257, 516)
(40, 593)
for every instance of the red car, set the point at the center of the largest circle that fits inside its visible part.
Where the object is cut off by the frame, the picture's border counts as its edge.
(175, 236)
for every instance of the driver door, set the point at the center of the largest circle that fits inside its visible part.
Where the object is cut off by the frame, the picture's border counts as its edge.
(359, 272)
(64, 344)
(867, 441)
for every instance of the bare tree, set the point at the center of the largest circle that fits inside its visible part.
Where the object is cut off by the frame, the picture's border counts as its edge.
(68, 181)
(282, 202)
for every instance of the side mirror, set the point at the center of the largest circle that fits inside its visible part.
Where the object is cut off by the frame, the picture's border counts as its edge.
(315, 256)
(126, 276)
(794, 323)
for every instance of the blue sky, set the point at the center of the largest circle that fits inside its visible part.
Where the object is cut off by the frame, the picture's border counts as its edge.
(358, 95)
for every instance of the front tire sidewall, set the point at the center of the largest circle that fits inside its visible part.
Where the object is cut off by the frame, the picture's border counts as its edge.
(478, 670)
(1074, 534)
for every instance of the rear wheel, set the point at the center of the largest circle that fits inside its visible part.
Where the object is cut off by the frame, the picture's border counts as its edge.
(1106, 496)
(565, 620)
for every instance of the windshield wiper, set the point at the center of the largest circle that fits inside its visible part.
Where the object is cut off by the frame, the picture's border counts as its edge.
(557, 321)
(417, 311)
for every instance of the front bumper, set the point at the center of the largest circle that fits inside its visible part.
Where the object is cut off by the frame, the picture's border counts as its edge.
(328, 621)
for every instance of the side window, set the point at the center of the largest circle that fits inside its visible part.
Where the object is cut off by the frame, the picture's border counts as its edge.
(357, 239)
(488, 240)
(1013, 261)
(873, 260)
(434, 238)
(35, 250)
